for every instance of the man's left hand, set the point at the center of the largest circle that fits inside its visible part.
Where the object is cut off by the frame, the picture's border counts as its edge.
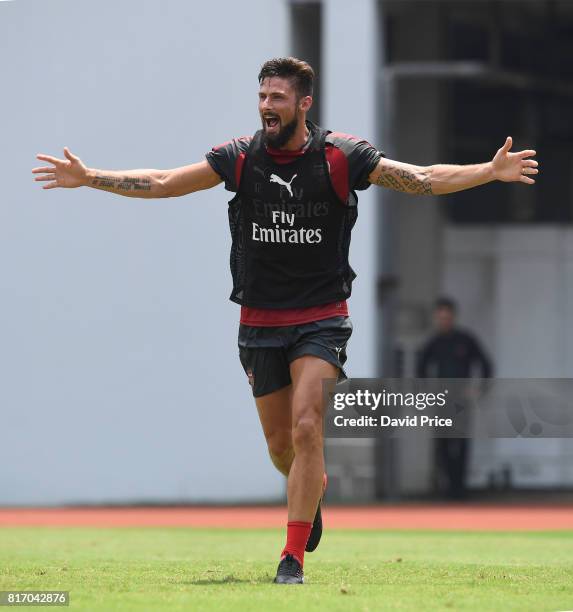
(510, 167)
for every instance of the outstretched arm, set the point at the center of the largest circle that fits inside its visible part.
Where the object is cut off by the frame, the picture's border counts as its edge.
(440, 179)
(72, 172)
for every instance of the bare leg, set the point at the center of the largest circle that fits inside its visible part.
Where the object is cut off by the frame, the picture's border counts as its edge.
(275, 416)
(306, 475)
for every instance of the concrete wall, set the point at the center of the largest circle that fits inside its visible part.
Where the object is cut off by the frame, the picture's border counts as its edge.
(120, 373)
(417, 130)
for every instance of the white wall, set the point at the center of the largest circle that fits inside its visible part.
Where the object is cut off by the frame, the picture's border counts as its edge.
(349, 105)
(515, 289)
(120, 373)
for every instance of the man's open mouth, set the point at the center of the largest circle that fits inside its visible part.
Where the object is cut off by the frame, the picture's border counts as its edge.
(271, 121)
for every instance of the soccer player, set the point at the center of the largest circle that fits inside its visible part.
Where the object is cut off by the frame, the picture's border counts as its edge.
(291, 218)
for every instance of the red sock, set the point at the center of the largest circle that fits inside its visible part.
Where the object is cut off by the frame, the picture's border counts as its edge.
(297, 536)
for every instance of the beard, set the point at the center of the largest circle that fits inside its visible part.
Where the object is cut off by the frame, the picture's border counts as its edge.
(279, 140)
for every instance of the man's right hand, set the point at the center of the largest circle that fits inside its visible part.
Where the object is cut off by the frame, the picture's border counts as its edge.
(147, 183)
(69, 172)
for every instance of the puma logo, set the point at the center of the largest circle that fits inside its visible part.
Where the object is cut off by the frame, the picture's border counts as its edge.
(277, 179)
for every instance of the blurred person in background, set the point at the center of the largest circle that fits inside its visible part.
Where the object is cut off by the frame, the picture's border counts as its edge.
(451, 353)
(291, 218)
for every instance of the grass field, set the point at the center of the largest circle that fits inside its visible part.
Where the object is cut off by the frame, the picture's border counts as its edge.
(204, 569)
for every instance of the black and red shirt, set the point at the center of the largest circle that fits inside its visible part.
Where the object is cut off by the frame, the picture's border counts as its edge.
(350, 161)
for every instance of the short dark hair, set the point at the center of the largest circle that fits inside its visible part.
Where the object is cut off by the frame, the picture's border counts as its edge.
(446, 302)
(298, 71)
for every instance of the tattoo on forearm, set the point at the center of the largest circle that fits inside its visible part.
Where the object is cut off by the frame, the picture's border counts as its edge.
(124, 183)
(403, 180)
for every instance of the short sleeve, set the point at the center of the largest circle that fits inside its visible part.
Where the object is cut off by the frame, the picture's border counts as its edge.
(361, 157)
(227, 160)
